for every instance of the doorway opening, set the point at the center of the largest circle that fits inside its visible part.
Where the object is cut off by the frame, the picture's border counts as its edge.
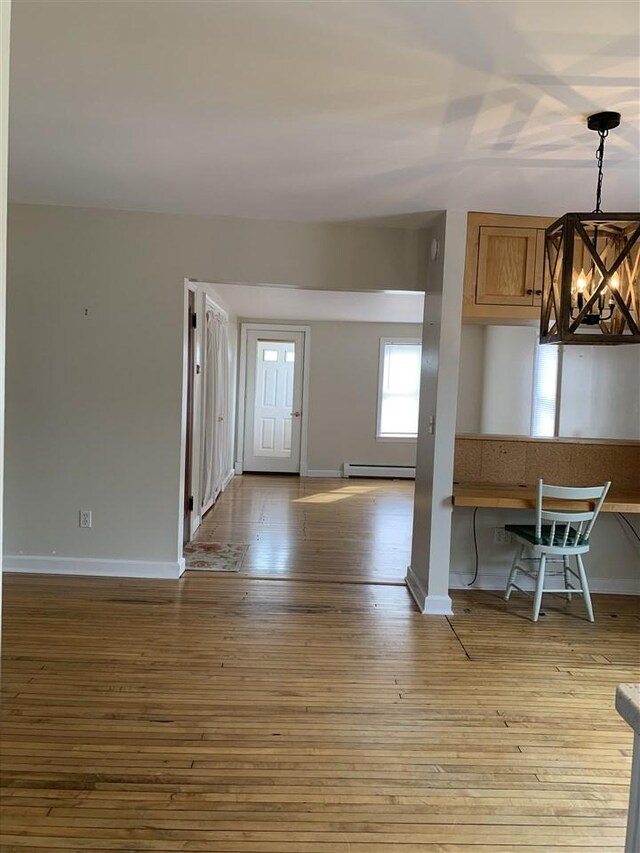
(300, 420)
(208, 401)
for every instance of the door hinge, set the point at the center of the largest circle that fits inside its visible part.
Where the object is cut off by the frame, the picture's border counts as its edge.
(194, 320)
(191, 504)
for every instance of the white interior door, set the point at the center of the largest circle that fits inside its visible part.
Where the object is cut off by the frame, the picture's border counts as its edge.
(273, 405)
(216, 421)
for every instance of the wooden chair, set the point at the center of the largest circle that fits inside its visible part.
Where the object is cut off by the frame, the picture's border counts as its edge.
(557, 536)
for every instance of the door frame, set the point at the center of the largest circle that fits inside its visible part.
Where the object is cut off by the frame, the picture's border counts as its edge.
(196, 410)
(245, 328)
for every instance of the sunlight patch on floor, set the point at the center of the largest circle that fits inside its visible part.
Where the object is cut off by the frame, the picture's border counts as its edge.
(334, 495)
(321, 498)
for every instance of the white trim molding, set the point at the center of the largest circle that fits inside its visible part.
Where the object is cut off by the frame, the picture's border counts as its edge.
(384, 342)
(429, 605)
(91, 567)
(497, 581)
(415, 588)
(438, 605)
(320, 473)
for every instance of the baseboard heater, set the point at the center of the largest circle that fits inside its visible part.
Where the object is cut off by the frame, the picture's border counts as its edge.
(354, 469)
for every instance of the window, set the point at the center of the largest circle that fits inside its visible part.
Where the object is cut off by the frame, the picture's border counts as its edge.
(398, 388)
(545, 391)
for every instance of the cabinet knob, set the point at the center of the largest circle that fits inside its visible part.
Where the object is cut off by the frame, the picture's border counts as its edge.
(529, 292)
(538, 293)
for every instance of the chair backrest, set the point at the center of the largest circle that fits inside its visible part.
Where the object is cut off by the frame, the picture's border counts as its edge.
(568, 528)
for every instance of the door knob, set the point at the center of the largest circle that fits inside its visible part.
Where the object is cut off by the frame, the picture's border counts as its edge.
(220, 418)
(296, 414)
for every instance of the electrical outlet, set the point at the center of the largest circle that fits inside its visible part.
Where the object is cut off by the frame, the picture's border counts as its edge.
(85, 518)
(501, 536)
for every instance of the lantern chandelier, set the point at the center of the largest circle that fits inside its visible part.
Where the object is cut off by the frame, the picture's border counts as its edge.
(591, 285)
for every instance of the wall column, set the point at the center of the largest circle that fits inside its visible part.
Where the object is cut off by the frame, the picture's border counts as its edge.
(5, 28)
(428, 575)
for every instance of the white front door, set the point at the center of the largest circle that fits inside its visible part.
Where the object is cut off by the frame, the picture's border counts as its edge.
(273, 405)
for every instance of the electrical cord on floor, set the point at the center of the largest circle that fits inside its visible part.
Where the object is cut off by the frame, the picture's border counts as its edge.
(629, 525)
(475, 546)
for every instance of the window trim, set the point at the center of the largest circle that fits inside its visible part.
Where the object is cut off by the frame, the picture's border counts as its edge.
(397, 439)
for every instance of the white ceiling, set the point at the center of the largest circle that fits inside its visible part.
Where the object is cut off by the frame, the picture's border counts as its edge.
(322, 110)
(266, 302)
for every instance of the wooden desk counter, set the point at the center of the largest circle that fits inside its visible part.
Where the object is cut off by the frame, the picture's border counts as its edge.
(524, 497)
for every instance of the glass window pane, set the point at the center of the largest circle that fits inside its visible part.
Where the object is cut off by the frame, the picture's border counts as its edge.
(400, 390)
(290, 356)
(270, 355)
(402, 368)
(399, 415)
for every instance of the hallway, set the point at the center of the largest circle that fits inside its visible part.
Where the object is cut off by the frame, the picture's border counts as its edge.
(347, 531)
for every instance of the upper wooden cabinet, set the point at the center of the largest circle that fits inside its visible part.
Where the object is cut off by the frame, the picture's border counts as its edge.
(504, 267)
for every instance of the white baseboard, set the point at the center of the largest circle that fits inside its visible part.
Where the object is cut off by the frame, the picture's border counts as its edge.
(315, 473)
(237, 467)
(429, 605)
(94, 568)
(414, 586)
(228, 479)
(437, 605)
(496, 581)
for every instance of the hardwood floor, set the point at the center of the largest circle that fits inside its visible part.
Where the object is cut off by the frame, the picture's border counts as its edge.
(225, 714)
(316, 529)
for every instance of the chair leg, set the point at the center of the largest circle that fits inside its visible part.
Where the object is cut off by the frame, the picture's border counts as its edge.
(585, 587)
(537, 601)
(513, 572)
(567, 576)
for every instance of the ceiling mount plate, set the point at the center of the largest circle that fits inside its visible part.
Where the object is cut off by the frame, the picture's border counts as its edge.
(603, 121)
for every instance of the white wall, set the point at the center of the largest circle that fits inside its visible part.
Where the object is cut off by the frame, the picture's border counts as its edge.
(471, 378)
(613, 563)
(600, 392)
(5, 29)
(599, 388)
(94, 358)
(343, 395)
(508, 377)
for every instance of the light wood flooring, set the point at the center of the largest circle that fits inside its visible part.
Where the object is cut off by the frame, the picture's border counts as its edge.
(352, 530)
(228, 714)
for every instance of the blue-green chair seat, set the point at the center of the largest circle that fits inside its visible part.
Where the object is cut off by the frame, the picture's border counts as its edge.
(528, 533)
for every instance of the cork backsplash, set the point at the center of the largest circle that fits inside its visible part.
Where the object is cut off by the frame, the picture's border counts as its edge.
(492, 459)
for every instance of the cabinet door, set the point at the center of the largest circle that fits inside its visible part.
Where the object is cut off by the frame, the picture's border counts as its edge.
(506, 266)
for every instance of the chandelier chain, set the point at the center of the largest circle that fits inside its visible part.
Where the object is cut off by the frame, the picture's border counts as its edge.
(600, 160)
